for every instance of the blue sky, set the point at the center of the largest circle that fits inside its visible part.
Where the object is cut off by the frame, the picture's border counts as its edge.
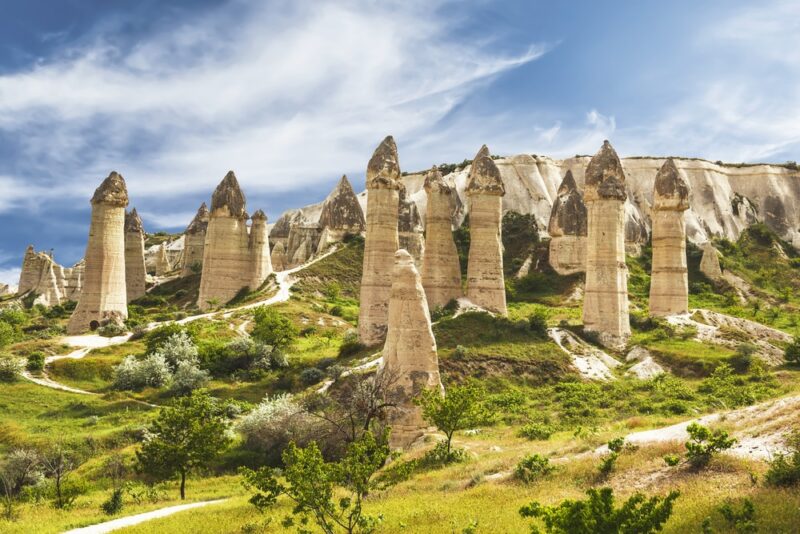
(291, 94)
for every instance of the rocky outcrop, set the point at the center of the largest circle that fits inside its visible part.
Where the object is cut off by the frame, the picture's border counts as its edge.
(441, 272)
(341, 213)
(410, 361)
(381, 243)
(303, 241)
(194, 241)
(5, 290)
(163, 265)
(409, 227)
(261, 263)
(605, 302)
(104, 297)
(73, 281)
(485, 190)
(278, 257)
(568, 229)
(42, 277)
(669, 286)
(135, 271)
(709, 263)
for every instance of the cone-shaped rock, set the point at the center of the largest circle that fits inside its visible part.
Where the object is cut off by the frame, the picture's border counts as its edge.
(441, 272)
(260, 263)
(341, 212)
(409, 226)
(42, 277)
(163, 265)
(485, 190)
(605, 304)
(567, 229)
(278, 257)
(669, 286)
(228, 195)
(135, 271)
(194, 242)
(410, 361)
(104, 296)
(381, 242)
(709, 264)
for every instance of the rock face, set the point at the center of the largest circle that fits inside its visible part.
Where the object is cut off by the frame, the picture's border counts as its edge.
(568, 229)
(194, 242)
(279, 257)
(163, 265)
(409, 227)
(605, 303)
(383, 173)
(104, 297)
(669, 288)
(485, 190)
(441, 272)
(303, 241)
(43, 277)
(709, 263)
(341, 213)
(135, 272)
(231, 259)
(410, 361)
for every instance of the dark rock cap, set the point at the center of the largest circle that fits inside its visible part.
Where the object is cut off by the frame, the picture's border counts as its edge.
(484, 176)
(670, 187)
(341, 209)
(605, 178)
(200, 222)
(568, 184)
(434, 182)
(112, 191)
(229, 194)
(383, 169)
(133, 223)
(259, 215)
(569, 215)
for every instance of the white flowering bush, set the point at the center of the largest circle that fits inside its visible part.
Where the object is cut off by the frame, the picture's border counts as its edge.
(133, 374)
(10, 368)
(178, 348)
(188, 377)
(275, 422)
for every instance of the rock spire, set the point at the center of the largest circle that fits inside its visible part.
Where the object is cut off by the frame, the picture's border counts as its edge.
(261, 263)
(163, 265)
(341, 212)
(709, 263)
(135, 270)
(567, 229)
(441, 272)
(409, 227)
(194, 242)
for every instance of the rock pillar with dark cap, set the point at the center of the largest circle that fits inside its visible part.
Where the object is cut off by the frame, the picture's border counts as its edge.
(605, 304)
(410, 361)
(669, 285)
(441, 272)
(485, 190)
(260, 263)
(104, 297)
(194, 241)
(135, 271)
(567, 229)
(381, 242)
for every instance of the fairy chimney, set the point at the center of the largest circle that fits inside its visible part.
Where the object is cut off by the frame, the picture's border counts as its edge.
(669, 285)
(260, 262)
(410, 361)
(441, 271)
(278, 257)
(605, 304)
(163, 265)
(485, 190)
(381, 242)
(42, 277)
(409, 227)
(709, 263)
(104, 296)
(194, 242)
(135, 272)
(567, 229)
(341, 213)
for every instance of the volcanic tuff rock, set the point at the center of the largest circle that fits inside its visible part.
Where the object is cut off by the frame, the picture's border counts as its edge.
(381, 242)
(441, 272)
(194, 241)
(410, 361)
(669, 288)
(605, 303)
(303, 242)
(341, 211)
(709, 264)
(104, 295)
(135, 271)
(163, 265)
(279, 257)
(485, 190)
(38, 276)
(409, 227)
(261, 263)
(567, 228)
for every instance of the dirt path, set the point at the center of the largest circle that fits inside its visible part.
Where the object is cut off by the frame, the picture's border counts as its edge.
(132, 520)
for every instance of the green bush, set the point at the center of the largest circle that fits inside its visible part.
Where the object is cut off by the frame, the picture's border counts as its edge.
(742, 520)
(441, 455)
(312, 376)
(35, 361)
(273, 328)
(672, 460)
(350, 344)
(111, 330)
(784, 469)
(792, 352)
(537, 322)
(704, 444)
(114, 503)
(157, 337)
(533, 467)
(10, 369)
(8, 334)
(538, 431)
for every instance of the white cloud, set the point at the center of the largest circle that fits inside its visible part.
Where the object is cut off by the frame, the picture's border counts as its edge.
(10, 276)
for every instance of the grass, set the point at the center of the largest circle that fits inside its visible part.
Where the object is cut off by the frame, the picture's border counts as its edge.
(343, 267)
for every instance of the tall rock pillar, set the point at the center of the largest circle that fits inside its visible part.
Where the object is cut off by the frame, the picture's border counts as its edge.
(441, 272)
(410, 361)
(194, 242)
(104, 296)
(260, 263)
(135, 272)
(163, 265)
(605, 303)
(226, 254)
(485, 189)
(567, 229)
(669, 286)
(381, 242)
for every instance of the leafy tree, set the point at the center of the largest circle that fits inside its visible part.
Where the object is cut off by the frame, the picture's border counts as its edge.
(330, 494)
(7, 333)
(598, 514)
(704, 444)
(59, 462)
(458, 409)
(19, 469)
(273, 328)
(185, 436)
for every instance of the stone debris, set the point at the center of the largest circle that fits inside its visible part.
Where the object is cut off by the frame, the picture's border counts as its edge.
(441, 271)
(485, 190)
(104, 298)
(410, 361)
(669, 288)
(383, 173)
(709, 264)
(605, 303)
(194, 242)
(135, 270)
(568, 229)
(591, 362)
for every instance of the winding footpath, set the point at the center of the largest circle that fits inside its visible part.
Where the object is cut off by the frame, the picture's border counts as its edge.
(129, 521)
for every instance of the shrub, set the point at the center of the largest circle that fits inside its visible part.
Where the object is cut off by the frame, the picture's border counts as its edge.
(460, 353)
(597, 514)
(609, 461)
(731, 390)
(743, 358)
(273, 328)
(188, 377)
(278, 359)
(274, 423)
(114, 503)
(159, 336)
(459, 409)
(537, 322)
(792, 352)
(35, 361)
(178, 348)
(440, 312)
(672, 459)
(312, 376)
(441, 454)
(538, 431)
(10, 369)
(704, 444)
(741, 520)
(533, 467)
(784, 469)
(133, 374)
(111, 330)
(350, 344)
(7, 334)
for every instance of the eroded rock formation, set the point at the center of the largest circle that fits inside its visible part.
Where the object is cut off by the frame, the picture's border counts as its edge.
(410, 361)
(135, 271)
(261, 263)
(709, 263)
(441, 272)
(303, 241)
(567, 229)
(104, 296)
(409, 227)
(341, 213)
(278, 257)
(669, 286)
(42, 277)
(485, 190)
(383, 173)
(194, 241)
(605, 302)
(163, 265)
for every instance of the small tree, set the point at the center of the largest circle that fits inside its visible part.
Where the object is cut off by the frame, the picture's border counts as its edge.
(187, 435)
(18, 469)
(458, 409)
(273, 328)
(704, 444)
(59, 462)
(598, 515)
